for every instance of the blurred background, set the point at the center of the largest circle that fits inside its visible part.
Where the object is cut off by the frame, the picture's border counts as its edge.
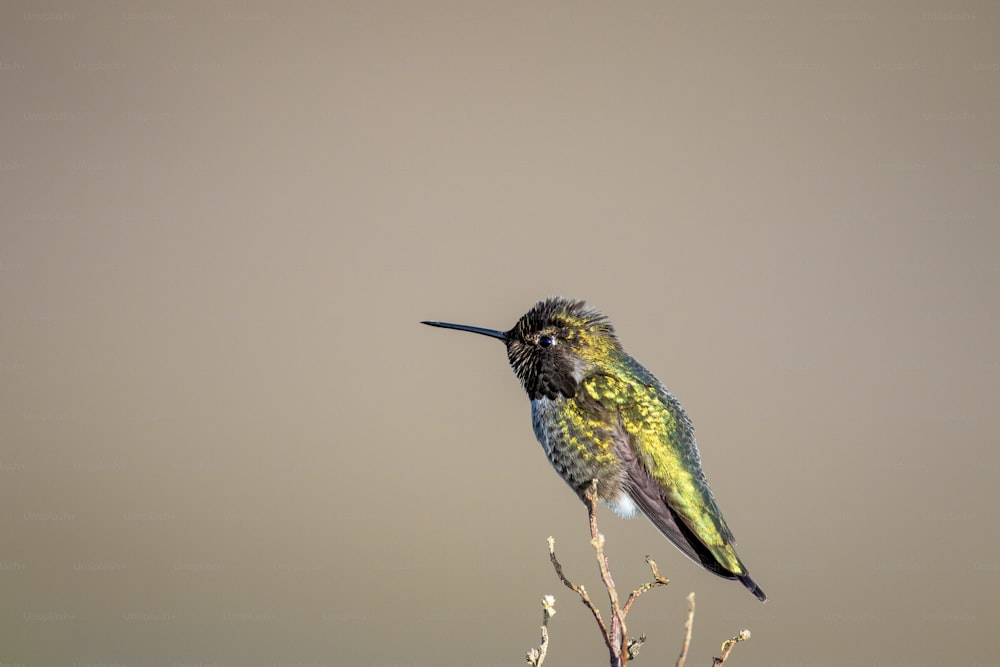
(226, 439)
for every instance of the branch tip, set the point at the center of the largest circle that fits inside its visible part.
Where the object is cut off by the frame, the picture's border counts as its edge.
(727, 647)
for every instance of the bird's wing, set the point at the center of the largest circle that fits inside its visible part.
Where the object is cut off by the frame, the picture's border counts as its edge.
(656, 445)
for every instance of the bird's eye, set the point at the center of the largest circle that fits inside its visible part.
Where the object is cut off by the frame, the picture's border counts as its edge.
(546, 341)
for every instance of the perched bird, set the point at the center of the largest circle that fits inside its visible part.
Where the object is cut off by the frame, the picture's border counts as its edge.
(604, 420)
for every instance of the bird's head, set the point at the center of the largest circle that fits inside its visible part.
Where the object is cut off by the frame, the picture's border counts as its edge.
(554, 345)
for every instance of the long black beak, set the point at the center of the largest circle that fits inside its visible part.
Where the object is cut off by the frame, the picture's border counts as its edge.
(492, 333)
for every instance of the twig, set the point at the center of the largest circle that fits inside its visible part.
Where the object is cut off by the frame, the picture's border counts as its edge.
(579, 590)
(618, 639)
(727, 647)
(658, 581)
(536, 656)
(687, 632)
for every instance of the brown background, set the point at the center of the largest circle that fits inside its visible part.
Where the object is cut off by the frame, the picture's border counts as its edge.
(226, 439)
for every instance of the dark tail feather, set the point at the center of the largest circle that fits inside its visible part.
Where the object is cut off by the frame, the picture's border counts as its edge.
(752, 587)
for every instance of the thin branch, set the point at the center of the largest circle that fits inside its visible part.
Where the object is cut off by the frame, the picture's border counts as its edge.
(536, 656)
(618, 637)
(727, 647)
(579, 590)
(687, 631)
(658, 581)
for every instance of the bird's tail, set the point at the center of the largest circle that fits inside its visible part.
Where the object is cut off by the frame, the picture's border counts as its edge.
(752, 586)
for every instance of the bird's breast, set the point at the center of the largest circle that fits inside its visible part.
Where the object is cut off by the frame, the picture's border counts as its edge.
(544, 414)
(578, 447)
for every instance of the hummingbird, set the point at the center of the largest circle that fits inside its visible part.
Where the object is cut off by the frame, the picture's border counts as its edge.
(606, 423)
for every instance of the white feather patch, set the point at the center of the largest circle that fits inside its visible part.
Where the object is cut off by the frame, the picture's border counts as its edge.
(623, 506)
